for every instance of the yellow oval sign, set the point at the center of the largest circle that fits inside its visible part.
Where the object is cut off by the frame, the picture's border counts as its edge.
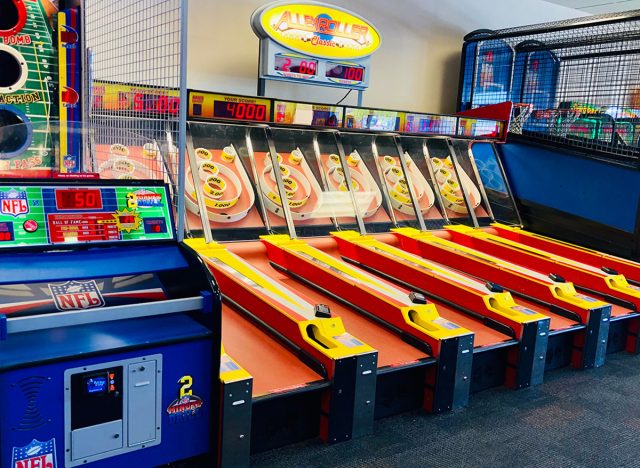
(317, 29)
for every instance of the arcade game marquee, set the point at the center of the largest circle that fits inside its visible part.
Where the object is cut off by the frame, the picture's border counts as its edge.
(109, 328)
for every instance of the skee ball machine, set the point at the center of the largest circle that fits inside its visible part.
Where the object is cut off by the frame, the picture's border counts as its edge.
(578, 323)
(311, 377)
(510, 340)
(109, 328)
(422, 358)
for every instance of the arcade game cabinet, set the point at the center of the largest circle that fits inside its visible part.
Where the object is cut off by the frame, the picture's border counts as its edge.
(109, 328)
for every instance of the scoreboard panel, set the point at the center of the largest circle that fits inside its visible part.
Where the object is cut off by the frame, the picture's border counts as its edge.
(54, 215)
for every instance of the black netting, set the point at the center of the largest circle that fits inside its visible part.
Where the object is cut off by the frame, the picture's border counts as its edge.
(576, 82)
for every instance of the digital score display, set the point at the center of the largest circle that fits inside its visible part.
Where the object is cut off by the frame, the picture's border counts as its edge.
(287, 64)
(345, 72)
(127, 219)
(85, 199)
(6, 232)
(140, 99)
(240, 111)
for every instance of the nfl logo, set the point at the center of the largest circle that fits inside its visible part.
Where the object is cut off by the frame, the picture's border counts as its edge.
(35, 455)
(76, 295)
(14, 202)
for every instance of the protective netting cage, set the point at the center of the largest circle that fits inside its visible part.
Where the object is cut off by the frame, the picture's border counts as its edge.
(136, 81)
(575, 82)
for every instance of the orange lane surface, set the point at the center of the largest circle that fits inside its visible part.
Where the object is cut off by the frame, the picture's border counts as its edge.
(558, 322)
(273, 367)
(392, 350)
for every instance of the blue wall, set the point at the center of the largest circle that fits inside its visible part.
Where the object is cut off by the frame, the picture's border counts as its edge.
(595, 190)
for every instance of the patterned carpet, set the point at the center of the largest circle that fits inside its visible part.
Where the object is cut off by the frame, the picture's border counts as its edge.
(575, 419)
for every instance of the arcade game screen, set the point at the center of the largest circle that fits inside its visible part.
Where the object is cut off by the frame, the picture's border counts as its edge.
(65, 216)
(370, 119)
(58, 215)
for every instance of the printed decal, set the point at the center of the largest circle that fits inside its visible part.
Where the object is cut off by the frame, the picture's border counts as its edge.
(76, 295)
(147, 198)
(127, 220)
(187, 405)
(35, 455)
(14, 203)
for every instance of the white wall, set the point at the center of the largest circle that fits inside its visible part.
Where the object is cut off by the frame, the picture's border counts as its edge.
(416, 68)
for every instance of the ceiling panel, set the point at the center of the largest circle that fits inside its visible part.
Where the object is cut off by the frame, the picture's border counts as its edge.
(599, 6)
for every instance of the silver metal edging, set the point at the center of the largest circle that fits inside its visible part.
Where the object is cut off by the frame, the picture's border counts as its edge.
(109, 314)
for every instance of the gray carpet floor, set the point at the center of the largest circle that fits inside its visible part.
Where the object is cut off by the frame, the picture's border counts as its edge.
(575, 419)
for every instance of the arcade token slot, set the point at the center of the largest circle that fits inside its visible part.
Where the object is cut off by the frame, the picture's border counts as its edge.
(235, 412)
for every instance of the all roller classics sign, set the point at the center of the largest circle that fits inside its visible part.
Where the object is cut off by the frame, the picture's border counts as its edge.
(317, 29)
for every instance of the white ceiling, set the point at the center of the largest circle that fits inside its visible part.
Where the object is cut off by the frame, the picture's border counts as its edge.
(599, 6)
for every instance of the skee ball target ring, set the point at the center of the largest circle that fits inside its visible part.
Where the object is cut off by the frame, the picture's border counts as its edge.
(13, 16)
(14, 143)
(14, 69)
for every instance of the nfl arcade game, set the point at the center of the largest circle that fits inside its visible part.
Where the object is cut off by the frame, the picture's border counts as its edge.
(109, 328)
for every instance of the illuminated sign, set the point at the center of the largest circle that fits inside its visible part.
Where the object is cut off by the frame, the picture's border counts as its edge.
(117, 97)
(222, 106)
(317, 30)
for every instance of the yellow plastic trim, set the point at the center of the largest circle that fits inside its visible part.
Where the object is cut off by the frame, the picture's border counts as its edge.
(418, 316)
(232, 375)
(602, 255)
(219, 252)
(620, 283)
(565, 292)
(503, 304)
(329, 336)
(499, 303)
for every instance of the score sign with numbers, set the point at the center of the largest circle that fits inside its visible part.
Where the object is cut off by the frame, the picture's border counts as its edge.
(138, 99)
(223, 106)
(314, 43)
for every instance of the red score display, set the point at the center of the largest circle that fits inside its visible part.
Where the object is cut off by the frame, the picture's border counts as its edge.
(240, 110)
(85, 199)
(127, 219)
(299, 65)
(345, 72)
